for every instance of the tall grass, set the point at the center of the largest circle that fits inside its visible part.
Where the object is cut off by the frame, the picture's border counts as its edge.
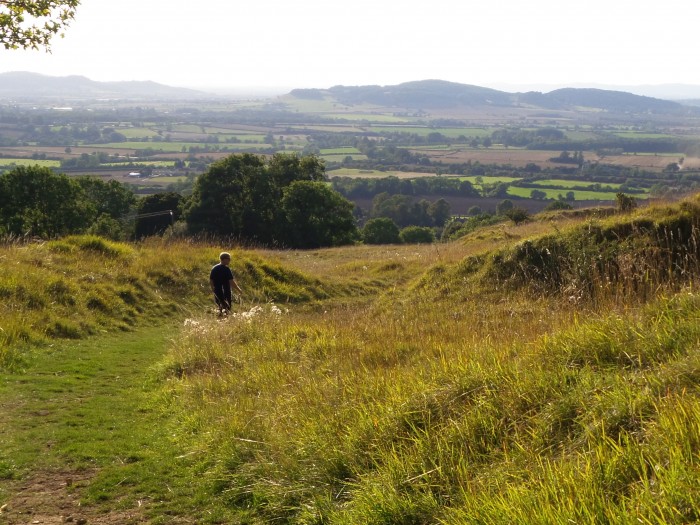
(77, 286)
(510, 377)
(335, 418)
(459, 397)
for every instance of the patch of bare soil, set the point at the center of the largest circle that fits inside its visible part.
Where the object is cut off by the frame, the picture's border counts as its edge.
(53, 497)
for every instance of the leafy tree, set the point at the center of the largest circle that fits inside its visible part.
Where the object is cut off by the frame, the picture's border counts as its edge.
(157, 206)
(106, 226)
(111, 198)
(517, 215)
(241, 195)
(36, 201)
(317, 216)
(381, 230)
(538, 194)
(28, 24)
(558, 205)
(402, 209)
(439, 211)
(417, 235)
(504, 206)
(625, 203)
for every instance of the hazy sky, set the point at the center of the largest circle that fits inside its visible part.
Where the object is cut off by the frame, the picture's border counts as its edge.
(321, 43)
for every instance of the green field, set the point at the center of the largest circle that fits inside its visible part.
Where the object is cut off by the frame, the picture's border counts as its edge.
(154, 163)
(423, 131)
(340, 151)
(10, 163)
(174, 147)
(166, 180)
(138, 133)
(579, 195)
(489, 180)
(572, 183)
(341, 158)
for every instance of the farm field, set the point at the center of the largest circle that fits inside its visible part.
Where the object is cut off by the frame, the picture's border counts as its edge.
(10, 162)
(357, 140)
(360, 173)
(579, 195)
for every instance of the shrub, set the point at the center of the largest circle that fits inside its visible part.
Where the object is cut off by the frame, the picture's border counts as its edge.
(380, 231)
(417, 235)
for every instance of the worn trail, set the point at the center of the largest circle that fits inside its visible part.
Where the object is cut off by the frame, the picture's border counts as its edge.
(82, 438)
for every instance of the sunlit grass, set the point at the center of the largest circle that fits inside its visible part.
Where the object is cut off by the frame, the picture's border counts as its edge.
(540, 373)
(447, 400)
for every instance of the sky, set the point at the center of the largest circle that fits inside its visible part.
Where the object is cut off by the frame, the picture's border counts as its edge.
(279, 45)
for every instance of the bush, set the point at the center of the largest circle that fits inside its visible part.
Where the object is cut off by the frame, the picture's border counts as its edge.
(417, 235)
(381, 230)
(517, 215)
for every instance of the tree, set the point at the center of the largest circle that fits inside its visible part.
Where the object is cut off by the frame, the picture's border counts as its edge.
(241, 195)
(28, 24)
(317, 216)
(558, 205)
(417, 235)
(36, 201)
(625, 203)
(504, 206)
(538, 194)
(154, 219)
(381, 230)
(111, 198)
(439, 211)
(517, 215)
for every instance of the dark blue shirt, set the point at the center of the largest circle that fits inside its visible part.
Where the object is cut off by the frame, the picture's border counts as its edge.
(221, 276)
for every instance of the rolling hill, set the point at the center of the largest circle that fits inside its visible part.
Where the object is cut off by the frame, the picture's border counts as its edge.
(439, 94)
(24, 85)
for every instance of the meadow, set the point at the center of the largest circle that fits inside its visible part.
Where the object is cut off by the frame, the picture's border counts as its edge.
(540, 373)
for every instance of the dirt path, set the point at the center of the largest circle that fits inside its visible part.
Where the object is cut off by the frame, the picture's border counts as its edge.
(80, 435)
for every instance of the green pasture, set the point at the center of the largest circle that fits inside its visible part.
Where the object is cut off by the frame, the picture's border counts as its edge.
(175, 147)
(579, 195)
(339, 151)
(642, 135)
(489, 180)
(424, 131)
(167, 180)
(580, 135)
(154, 163)
(573, 183)
(650, 154)
(138, 133)
(434, 147)
(370, 116)
(13, 162)
(341, 158)
(187, 128)
(340, 128)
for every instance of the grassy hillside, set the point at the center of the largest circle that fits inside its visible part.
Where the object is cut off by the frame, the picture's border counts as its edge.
(546, 373)
(551, 380)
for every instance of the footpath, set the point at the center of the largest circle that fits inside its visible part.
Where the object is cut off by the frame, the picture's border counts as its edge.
(84, 438)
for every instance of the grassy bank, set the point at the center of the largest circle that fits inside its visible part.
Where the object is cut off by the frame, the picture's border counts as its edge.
(486, 391)
(545, 373)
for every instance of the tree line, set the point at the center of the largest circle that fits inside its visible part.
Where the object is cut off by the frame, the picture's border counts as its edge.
(277, 201)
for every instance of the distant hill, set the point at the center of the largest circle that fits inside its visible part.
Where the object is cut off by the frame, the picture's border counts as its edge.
(24, 85)
(439, 94)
